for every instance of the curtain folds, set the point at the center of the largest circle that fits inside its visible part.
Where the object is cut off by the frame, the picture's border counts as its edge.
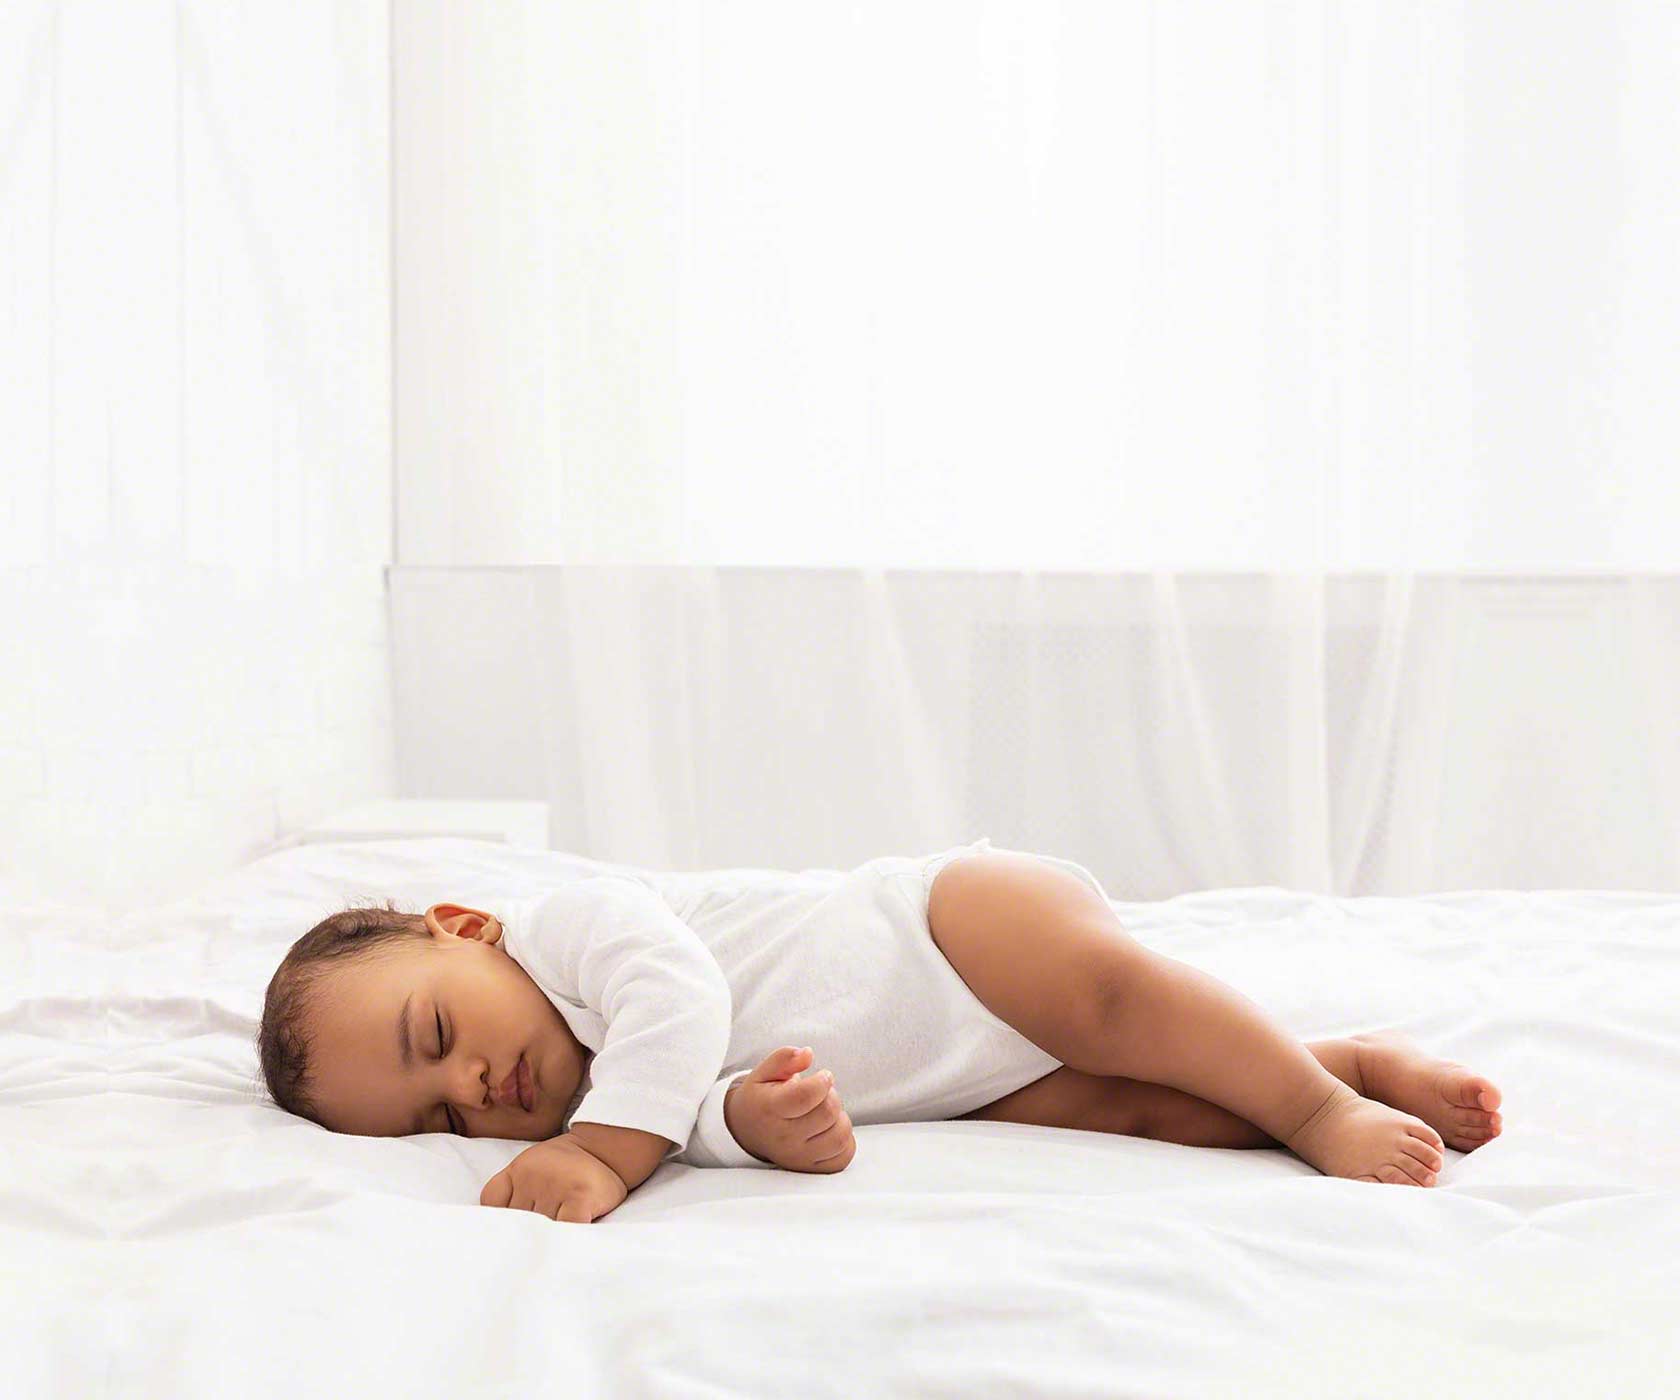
(1350, 734)
(1038, 284)
(1230, 445)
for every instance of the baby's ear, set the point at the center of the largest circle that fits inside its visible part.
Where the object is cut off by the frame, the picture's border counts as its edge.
(463, 921)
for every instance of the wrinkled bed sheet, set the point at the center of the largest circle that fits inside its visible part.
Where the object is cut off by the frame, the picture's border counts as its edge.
(167, 1231)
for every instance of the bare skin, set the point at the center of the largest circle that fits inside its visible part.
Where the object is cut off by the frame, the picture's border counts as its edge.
(1045, 953)
(473, 1016)
(1384, 1066)
(1461, 1106)
(1015, 935)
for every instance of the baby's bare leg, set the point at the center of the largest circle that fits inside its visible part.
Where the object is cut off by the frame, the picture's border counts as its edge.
(1172, 1115)
(1045, 953)
(1068, 1098)
(1387, 1066)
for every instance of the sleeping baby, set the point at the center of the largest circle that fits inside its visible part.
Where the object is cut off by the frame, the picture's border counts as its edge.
(621, 1020)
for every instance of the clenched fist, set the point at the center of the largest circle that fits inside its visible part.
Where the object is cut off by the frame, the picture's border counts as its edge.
(558, 1178)
(795, 1123)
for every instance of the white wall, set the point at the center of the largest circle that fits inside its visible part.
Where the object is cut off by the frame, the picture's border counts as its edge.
(195, 421)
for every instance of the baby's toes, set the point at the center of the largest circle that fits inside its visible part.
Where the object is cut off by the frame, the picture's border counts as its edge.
(1473, 1120)
(1459, 1087)
(1475, 1129)
(1428, 1150)
(1421, 1160)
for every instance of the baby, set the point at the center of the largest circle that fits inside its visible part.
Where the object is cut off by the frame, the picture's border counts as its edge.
(978, 983)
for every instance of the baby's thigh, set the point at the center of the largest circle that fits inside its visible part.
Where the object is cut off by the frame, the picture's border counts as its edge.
(1068, 1098)
(1039, 948)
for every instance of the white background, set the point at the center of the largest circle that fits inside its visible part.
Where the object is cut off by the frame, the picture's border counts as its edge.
(1154, 318)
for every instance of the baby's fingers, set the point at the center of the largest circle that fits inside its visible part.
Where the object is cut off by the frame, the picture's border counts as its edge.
(782, 1064)
(498, 1191)
(574, 1209)
(800, 1096)
(832, 1149)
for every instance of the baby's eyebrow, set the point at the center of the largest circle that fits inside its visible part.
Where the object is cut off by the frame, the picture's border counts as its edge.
(402, 1033)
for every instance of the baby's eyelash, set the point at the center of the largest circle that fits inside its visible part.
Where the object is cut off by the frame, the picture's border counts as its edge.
(443, 1050)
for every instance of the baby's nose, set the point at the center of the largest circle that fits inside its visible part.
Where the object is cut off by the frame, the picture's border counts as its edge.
(476, 1092)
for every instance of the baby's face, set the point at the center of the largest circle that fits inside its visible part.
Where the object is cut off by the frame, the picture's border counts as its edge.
(458, 985)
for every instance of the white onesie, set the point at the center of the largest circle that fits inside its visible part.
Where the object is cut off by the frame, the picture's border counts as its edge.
(679, 983)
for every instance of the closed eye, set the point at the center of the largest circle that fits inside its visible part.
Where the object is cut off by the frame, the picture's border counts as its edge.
(447, 1115)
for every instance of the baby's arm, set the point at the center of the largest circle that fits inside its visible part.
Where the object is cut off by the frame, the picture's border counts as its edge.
(610, 945)
(630, 1152)
(774, 1116)
(579, 1176)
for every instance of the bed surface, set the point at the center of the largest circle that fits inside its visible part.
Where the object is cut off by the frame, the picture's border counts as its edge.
(169, 1231)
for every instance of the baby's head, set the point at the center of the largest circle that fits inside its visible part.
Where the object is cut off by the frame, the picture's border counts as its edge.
(367, 982)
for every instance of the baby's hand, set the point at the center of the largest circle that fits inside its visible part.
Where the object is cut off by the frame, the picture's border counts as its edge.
(559, 1178)
(795, 1123)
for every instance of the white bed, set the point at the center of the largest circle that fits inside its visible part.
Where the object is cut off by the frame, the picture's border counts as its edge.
(168, 1231)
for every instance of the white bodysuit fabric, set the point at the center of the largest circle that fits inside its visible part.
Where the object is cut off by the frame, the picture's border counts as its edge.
(680, 983)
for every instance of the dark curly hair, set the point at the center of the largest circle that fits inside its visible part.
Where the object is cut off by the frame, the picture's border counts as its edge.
(351, 936)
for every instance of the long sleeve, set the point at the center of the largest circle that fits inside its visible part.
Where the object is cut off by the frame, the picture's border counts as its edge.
(712, 1144)
(613, 945)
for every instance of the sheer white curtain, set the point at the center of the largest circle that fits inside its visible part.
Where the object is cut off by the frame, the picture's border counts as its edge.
(195, 431)
(1197, 305)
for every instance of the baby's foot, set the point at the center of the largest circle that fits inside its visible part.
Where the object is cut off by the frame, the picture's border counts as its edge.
(1459, 1105)
(1355, 1137)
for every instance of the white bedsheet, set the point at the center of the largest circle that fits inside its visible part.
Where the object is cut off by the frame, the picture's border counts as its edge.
(166, 1231)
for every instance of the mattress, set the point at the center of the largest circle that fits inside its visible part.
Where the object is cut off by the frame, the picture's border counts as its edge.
(168, 1231)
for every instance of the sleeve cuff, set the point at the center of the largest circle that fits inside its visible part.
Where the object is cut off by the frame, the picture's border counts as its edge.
(712, 1144)
(620, 1106)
